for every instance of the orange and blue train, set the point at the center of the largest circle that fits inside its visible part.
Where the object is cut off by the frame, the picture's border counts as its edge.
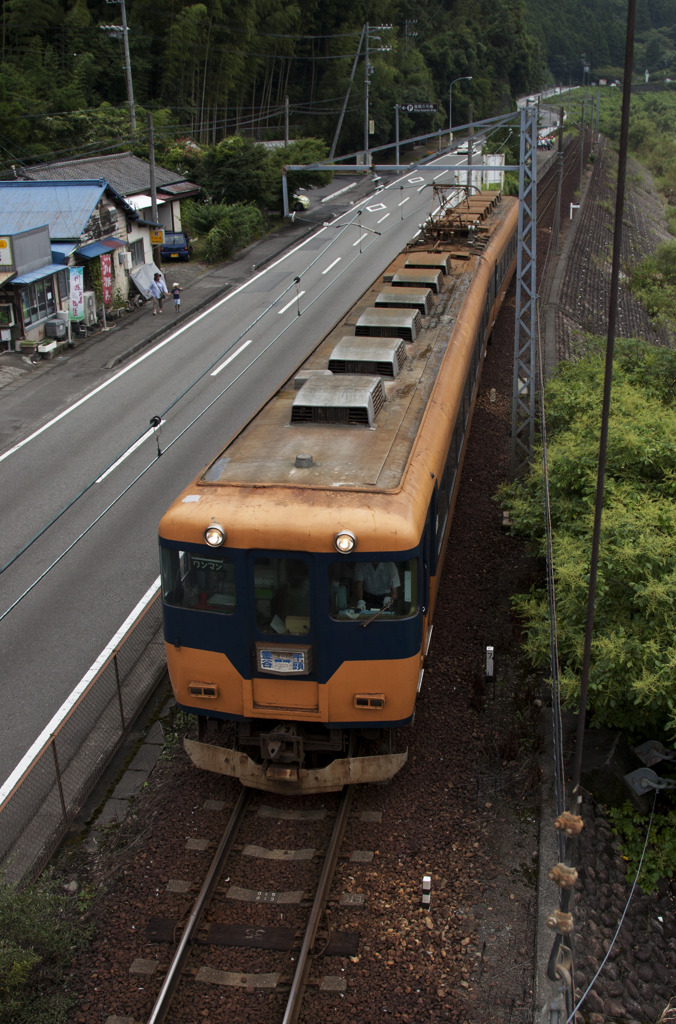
(300, 569)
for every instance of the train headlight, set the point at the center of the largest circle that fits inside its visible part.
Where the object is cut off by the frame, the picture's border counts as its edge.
(345, 542)
(214, 535)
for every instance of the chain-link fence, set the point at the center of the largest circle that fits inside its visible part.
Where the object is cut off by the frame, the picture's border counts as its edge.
(44, 794)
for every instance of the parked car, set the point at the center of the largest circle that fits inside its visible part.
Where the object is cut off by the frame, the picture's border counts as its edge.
(176, 246)
(300, 201)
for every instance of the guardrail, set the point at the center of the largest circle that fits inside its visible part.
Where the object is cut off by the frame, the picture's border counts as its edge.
(45, 791)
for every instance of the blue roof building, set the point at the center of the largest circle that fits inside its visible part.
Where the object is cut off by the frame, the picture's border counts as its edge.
(47, 227)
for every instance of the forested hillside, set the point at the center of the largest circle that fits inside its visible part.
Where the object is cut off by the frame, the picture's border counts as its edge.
(213, 68)
(575, 34)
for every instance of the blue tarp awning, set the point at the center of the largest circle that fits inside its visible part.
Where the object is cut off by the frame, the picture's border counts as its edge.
(89, 252)
(36, 275)
(62, 250)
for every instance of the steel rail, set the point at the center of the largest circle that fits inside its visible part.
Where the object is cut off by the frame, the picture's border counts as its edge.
(173, 976)
(294, 1002)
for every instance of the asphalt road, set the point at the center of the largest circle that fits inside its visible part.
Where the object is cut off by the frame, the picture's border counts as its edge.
(81, 431)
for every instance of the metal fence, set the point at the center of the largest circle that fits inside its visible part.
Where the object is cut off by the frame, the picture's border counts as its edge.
(44, 793)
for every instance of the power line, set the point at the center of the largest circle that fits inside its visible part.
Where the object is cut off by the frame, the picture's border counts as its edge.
(172, 405)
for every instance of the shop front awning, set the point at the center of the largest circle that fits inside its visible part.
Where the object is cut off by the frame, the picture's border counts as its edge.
(104, 245)
(180, 190)
(62, 250)
(37, 275)
(144, 201)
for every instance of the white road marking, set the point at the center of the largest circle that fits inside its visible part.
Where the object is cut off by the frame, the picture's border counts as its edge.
(360, 239)
(289, 304)
(332, 265)
(376, 207)
(230, 358)
(382, 219)
(48, 732)
(151, 352)
(404, 200)
(129, 451)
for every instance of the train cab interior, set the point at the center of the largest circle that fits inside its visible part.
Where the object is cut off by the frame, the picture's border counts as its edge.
(280, 588)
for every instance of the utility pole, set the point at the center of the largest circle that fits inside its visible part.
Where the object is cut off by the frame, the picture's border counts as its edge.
(367, 73)
(122, 30)
(582, 111)
(409, 34)
(559, 186)
(153, 188)
(347, 96)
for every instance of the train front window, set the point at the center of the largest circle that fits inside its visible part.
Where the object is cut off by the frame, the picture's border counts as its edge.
(386, 589)
(282, 595)
(202, 583)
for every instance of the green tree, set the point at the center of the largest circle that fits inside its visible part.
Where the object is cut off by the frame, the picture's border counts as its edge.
(632, 683)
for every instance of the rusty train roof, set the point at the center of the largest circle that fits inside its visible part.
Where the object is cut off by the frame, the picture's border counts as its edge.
(326, 435)
(370, 448)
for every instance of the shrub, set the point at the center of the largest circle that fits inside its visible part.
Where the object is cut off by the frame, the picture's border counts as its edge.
(234, 227)
(40, 927)
(660, 855)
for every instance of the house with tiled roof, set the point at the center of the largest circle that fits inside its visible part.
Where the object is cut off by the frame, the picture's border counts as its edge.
(130, 176)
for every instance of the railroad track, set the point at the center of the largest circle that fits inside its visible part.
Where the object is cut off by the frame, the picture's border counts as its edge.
(257, 937)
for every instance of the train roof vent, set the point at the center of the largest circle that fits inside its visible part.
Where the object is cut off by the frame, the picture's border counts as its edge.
(304, 375)
(417, 276)
(389, 323)
(383, 357)
(343, 399)
(408, 298)
(440, 260)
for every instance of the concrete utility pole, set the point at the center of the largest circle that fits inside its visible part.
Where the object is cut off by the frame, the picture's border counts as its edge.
(153, 188)
(121, 30)
(367, 73)
(347, 96)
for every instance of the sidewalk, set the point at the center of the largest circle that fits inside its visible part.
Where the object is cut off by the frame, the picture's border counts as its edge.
(201, 285)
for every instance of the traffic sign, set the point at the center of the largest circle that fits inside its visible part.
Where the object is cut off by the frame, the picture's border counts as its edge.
(419, 108)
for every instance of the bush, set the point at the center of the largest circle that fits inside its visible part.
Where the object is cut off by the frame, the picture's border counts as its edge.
(632, 684)
(40, 927)
(653, 281)
(233, 228)
(660, 855)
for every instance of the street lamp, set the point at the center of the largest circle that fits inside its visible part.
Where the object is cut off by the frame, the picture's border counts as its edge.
(463, 78)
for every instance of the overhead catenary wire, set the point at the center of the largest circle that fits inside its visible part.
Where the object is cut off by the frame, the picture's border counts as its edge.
(624, 914)
(161, 416)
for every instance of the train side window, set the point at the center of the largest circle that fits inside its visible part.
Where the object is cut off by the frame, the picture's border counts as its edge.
(349, 582)
(204, 584)
(282, 595)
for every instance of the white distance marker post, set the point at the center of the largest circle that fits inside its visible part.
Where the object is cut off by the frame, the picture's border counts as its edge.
(490, 667)
(426, 890)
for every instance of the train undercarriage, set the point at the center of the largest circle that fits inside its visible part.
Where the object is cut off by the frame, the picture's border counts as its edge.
(291, 758)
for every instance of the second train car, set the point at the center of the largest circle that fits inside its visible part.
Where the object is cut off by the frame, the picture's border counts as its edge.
(300, 568)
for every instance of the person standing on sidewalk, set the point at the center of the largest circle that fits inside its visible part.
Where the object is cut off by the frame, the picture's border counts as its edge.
(176, 295)
(158, 290)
